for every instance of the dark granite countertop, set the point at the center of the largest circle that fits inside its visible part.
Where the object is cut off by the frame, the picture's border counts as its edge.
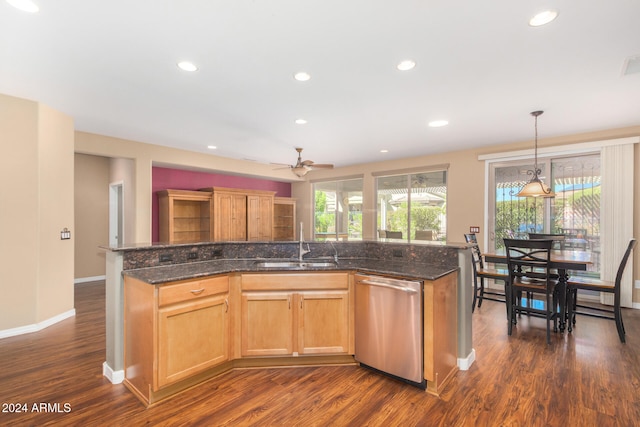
(169, 273)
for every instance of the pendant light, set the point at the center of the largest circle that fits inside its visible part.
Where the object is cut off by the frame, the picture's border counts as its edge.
(535, 187)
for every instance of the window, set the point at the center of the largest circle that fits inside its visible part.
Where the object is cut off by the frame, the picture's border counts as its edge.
(412, 206)
(338, 209)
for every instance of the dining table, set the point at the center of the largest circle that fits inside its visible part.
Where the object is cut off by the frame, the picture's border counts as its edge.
(563, 261)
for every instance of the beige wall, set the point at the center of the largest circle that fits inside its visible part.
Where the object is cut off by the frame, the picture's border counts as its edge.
(91, 214)
(36, 189)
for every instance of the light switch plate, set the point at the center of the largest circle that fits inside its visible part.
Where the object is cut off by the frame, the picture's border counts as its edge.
(474, 229)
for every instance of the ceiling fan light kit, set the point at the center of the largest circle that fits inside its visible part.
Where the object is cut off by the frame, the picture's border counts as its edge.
(302, 167)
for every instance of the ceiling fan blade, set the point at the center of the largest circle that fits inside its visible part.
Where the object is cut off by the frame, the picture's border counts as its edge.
(321, 166)
(306, 163)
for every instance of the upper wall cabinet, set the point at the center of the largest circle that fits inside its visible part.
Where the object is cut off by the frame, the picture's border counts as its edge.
(240, 214)
(224, 215)
(229, 215)
(260, 216)
(184, 216)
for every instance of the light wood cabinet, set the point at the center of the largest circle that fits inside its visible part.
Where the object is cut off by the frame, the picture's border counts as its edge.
(229, 215)
(173, 332)
(323, 322)
(191, 338)
(184, 216)
(296, 314)
(267, 323)
(260, 216)
(240, 215)
(284, 219)
(440, 331)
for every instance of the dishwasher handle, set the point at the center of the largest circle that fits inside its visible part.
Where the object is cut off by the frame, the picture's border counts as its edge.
(406, 289)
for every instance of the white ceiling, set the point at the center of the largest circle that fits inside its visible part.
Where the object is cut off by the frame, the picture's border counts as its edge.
(111, 65)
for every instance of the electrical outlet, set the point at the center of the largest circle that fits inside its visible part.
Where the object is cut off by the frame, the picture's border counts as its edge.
(216, 253)
(397, 253)
(166, 258)
(192, 255)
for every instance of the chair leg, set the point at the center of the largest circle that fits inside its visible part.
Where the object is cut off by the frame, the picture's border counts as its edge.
(507, 302)
(618, 317)
(574, 304)
(510, 309)
(481, 292)
(554, 311)
(571, 294)
(475, 294)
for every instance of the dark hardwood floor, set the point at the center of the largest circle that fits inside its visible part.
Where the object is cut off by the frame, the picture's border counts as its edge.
(587, 378)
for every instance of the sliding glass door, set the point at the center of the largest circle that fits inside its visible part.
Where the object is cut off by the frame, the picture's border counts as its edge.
(574, 212)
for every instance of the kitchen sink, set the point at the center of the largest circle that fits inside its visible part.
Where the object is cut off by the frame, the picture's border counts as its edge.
(295, 264)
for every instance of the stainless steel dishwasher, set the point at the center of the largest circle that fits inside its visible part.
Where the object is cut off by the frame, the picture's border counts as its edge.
(389, 327)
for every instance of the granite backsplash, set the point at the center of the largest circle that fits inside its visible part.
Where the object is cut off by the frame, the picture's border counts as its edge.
(160, 255)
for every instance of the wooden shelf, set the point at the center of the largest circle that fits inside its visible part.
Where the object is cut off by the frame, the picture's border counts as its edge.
(184, 216)
(284, 219)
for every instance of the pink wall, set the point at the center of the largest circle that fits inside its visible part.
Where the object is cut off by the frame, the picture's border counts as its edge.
(176, 179)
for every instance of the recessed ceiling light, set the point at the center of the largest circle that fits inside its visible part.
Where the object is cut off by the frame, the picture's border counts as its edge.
(406, 65)
(384, 151)
(301, 121)
(187, 66)
(438, 123)
(302, 76)
(212, 147)
(543, 18)
(24, 5)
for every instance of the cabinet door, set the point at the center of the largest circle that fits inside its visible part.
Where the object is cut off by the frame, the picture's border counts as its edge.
(192, 337)
(266, 323)
(230, 217)
(323, 322)
(259, 218)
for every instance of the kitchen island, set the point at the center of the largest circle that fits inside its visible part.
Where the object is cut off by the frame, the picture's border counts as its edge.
(235, 288)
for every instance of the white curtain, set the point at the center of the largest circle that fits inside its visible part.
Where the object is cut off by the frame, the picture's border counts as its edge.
(616, 217)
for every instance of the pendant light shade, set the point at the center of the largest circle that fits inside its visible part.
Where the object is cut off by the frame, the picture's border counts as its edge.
(535, 187)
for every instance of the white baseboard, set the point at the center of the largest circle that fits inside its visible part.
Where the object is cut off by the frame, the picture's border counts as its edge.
(116, 377)
(88, 279)
(37, 326)
(465, 364)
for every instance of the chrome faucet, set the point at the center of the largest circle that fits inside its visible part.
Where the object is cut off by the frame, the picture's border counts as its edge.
(335, 255)
(302, 252)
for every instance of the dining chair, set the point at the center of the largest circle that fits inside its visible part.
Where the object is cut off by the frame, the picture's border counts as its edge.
(558, 239)
(480, 273)
(394, 234)
(425, 235)
(530, 272)
(576, 283)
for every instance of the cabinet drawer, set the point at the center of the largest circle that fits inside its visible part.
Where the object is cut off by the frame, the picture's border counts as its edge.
(192, 289)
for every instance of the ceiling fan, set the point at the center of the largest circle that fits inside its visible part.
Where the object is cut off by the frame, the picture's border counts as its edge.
(303, 166)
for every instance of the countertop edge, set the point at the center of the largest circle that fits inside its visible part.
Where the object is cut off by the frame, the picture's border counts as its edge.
(177, 272)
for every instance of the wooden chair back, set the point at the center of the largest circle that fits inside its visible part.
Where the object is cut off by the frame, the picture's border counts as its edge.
(394, 234)
(558, 239)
